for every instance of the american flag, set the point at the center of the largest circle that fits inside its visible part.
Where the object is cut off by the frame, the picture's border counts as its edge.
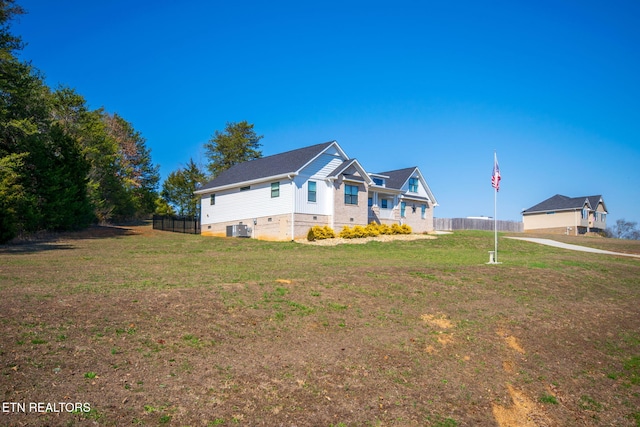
(495, 177)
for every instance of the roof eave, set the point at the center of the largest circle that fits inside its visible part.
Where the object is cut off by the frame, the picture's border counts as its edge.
(353, 162)
(552, 210)
(382, 189)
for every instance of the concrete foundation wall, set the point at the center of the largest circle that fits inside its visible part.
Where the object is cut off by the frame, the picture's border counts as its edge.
(552, 230)
(276, 227)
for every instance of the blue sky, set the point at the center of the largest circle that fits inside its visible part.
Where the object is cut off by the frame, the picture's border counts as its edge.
(552, 86)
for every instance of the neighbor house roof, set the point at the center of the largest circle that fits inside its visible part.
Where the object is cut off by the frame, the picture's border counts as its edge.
(285, 163)
(563, 203)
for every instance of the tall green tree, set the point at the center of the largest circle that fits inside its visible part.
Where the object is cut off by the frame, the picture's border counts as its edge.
(178, 188)
(8, 42)
(12, 195)
(88, 128)
(43, 173)
(236, 144)
(66, 204)
(122, 178)
(62, 165)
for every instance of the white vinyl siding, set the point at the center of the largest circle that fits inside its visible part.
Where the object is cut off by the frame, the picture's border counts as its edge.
(324, 197)
(321, 167)
(317, 171)
(257, 202)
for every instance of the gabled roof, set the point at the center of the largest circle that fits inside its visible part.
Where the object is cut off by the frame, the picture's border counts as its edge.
(398, 178)
(289, 162)
(340, 170)
(563, 203)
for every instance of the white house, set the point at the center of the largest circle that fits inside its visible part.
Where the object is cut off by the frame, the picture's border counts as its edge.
(280, 197)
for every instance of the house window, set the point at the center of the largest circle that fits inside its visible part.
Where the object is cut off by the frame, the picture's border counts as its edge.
(370, 201)
(551, 212)
(378, 181)
(585, 214)
(247, 188)
(350, 194)
(423, 210)
(311, 191)
(212, 200)
(384, 204)
(413, 185)
(403, 208)
(275, 189)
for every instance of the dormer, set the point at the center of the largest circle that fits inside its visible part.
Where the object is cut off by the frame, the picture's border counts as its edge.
(379, 180)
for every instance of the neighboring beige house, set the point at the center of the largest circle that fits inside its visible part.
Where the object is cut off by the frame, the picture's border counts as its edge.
(281, 197)
(566, 215)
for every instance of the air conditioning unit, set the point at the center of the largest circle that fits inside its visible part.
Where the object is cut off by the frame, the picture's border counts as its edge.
(238, 230)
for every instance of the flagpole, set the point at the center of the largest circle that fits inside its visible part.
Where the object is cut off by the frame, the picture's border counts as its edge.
(495, 218)
(495, 183)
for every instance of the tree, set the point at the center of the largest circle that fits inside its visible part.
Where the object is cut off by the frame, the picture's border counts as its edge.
(122, 178)
(62, 165)
(65, 202)
(138, 174)
(178, 188)
(8, 41)
(624, 230)
(43, 176)
(163, 207)
(12, 195)
(238, 143)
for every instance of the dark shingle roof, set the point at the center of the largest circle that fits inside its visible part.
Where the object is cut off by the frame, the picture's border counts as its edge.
(560, 202)
(398, 177)
(277, 164)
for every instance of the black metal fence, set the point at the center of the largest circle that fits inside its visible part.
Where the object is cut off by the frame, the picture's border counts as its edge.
(177, 224)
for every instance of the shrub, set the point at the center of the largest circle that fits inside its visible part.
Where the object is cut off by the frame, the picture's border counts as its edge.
(384, 229)
(359, 232)
(328, 232)
(396, 229)
(318, 232)
(346, 232)
(372, 229)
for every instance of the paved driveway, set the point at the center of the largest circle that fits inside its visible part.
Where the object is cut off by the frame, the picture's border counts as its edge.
(550, 242)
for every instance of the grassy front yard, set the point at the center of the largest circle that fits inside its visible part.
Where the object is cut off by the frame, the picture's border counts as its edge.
(156, 328)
